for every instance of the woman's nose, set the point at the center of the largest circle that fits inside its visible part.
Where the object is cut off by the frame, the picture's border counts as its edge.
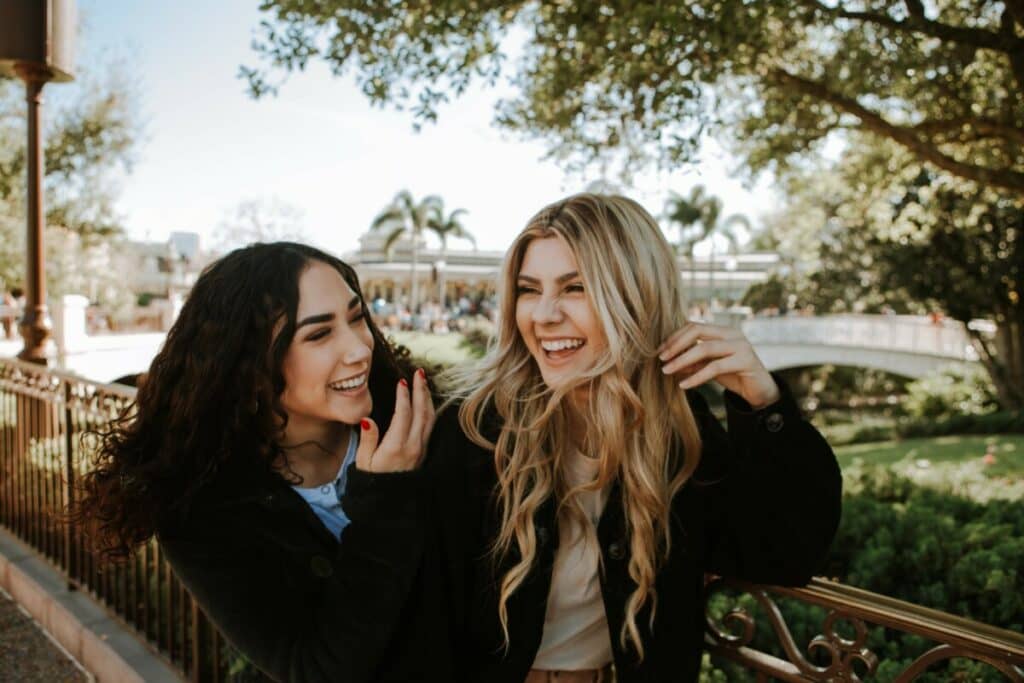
(547, 310)
(354, 350)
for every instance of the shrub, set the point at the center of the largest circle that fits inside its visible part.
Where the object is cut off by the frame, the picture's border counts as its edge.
(958, 389)
(477, 335)
(1002, 422)
(924, 546)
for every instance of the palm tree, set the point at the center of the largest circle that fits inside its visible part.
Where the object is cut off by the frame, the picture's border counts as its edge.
(727, 229)
(445, 227)
(688, 214)
(405, 217)
(699, 219)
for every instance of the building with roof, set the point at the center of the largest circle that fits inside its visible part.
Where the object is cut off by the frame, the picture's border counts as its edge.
(469, 271)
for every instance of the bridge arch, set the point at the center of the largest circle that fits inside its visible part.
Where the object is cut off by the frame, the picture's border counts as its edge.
(910, 346)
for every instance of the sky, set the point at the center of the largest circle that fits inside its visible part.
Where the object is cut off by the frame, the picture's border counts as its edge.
(319, 146)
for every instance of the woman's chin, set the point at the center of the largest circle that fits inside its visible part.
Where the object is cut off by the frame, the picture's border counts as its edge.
(353, 414)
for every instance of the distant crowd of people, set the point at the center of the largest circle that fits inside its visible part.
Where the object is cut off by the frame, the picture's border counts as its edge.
(431, 316)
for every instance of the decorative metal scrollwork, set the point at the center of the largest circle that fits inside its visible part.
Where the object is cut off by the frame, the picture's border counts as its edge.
(841, 653)
(848, 658)
(944, 652)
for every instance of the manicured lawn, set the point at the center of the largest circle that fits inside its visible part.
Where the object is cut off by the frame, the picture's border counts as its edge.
(1007, 448)
(949, 462)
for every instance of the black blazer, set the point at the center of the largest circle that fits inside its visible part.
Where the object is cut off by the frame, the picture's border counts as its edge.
(763, 506)
(299, 604)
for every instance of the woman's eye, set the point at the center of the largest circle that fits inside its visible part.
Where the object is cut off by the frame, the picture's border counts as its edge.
(576, 287)
(525, 290)
(319, 334)
(357, 319)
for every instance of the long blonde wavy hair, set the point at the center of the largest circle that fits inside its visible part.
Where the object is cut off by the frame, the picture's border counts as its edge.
(638, 423)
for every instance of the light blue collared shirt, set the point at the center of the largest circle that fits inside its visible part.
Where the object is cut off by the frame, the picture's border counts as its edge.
(326, 500)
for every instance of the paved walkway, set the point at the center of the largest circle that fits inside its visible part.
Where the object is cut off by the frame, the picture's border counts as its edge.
(27, 655)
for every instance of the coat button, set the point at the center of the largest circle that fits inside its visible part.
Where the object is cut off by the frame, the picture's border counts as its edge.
(774, 422)
(616, 551)
(321, 567)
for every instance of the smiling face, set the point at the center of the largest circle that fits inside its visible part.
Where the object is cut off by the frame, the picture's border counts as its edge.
(554, 315)
(327, 364)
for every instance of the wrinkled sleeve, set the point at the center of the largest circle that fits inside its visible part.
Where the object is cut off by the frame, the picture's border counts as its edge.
(770, 488)
(339, 629)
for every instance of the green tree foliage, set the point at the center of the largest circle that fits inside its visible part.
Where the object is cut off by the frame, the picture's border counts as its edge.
(942, 80)
(892, 234)
(927, 95)
(89, 139)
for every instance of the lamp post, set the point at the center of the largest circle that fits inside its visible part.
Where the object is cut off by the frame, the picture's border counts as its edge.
(37, 46)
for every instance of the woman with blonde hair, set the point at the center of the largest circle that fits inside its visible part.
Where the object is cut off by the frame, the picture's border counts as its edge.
(601, 487)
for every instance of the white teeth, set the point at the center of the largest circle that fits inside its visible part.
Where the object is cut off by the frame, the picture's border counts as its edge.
(349, 383)
(561, 344)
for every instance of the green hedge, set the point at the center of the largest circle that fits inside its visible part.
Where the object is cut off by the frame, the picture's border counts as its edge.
(923, 546)
(1002, 422)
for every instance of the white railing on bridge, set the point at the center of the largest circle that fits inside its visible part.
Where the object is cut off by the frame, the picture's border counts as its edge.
(903, 333)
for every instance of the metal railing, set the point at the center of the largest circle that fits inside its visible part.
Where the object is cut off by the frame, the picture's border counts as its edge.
(909, 334)
(833, 655)
(43, 414)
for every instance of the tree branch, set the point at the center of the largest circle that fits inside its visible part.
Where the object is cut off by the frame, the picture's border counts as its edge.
(906, 136)
(1008, 26)
(1017, 7)
(981, 127)
(918, 23)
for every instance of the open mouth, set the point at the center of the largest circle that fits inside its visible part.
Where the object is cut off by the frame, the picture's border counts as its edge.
(350, 385)
(561, 349)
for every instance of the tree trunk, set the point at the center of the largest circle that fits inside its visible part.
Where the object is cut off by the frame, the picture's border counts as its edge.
(414, 301)
(1002, 354)
(440, 274)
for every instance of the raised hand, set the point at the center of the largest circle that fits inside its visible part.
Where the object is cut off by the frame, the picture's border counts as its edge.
(699, 352)
(405, 442)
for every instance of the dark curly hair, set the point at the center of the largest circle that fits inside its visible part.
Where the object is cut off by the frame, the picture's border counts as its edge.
(212, 394)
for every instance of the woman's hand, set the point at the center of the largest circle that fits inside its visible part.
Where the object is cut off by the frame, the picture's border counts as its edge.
(701, 352)
(405, 442)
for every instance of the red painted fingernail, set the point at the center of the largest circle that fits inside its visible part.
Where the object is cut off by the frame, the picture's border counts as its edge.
(421, 373)
(403, 382)
(365, 424)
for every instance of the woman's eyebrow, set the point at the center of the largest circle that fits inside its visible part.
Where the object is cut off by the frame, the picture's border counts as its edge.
(314, 319)
(560, 279)
(327, 317)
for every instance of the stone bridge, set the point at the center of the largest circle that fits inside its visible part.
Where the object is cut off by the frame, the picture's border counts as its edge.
(910, 346)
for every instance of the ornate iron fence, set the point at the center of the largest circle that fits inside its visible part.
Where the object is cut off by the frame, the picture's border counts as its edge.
(43, 416)
(841, 652)
(44, 413)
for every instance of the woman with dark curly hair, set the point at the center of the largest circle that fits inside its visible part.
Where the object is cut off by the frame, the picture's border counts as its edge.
(252, 454)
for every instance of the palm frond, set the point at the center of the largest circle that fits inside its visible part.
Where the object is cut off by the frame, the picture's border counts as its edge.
(392, 238)
(386, 218)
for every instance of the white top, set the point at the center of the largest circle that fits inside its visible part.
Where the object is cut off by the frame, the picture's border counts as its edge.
(575, 628)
